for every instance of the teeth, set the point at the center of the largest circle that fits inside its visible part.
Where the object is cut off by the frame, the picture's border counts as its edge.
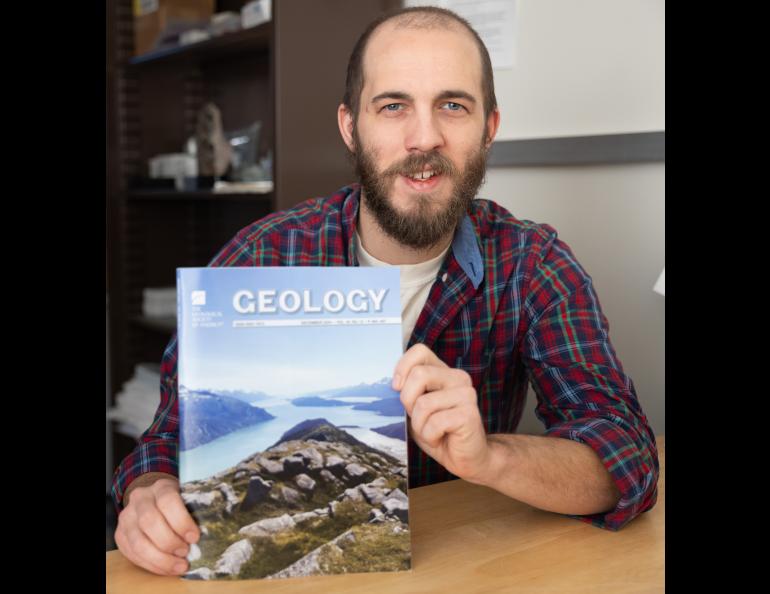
(423, 175)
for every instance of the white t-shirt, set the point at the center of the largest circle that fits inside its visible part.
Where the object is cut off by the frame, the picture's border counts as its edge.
(416, 281)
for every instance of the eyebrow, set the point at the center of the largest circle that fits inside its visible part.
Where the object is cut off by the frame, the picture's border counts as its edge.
(448, 94)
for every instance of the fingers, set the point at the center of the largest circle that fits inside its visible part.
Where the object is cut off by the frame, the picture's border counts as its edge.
(153, 527)
(442, 423)
(141, 551)
(431, 403)
(441, 401)
(122, 541)
(418, 354)
(171, 505)
(424, 379)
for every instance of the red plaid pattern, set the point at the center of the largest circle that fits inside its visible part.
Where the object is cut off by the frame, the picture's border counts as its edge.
(530, 316)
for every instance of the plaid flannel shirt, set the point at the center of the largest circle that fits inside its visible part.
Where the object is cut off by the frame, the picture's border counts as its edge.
(510, 305)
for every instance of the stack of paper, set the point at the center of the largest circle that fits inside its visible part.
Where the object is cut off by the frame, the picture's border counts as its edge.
(255, 13)
(250, 187)
(159, 302)
(136, 403)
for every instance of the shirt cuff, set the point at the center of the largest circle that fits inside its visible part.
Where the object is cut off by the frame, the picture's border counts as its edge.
(633, 465)
(145, 480)
(157, 456)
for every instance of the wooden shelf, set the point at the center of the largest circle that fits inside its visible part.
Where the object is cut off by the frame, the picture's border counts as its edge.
(161, 324)
(254, 39)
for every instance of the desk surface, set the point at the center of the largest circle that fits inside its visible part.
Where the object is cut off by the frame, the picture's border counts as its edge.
(467, 538)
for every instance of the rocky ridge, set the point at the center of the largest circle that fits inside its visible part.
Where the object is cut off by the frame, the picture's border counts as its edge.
(325, 503)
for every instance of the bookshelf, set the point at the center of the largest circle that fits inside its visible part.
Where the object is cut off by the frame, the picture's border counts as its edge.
(289, 74)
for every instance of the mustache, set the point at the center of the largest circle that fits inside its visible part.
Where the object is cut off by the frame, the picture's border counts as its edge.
(418, 162)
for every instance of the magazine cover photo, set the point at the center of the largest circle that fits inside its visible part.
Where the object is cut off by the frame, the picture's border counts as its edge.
(292, 447)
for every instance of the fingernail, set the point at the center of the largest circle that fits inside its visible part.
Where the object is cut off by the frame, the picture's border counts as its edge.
(181, 552)
(396, 382)
(190, 537)
(180, 567)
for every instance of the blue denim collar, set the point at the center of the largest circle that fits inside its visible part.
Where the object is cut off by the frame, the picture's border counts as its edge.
(467, 253)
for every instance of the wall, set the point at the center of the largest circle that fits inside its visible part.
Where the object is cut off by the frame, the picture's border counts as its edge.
(582, 68)
(590, 68)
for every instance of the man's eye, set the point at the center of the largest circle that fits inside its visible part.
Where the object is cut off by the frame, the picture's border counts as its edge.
(392, 107)
(453, 106)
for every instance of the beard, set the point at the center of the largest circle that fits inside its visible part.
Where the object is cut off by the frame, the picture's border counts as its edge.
(426, 222)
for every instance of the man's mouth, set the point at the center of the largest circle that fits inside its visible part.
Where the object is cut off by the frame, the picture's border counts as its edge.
(422, 175)
(423, 180)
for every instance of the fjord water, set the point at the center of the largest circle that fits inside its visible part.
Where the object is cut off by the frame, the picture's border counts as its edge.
(227, 451)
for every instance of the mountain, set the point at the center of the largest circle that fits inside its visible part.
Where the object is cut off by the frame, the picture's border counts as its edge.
(207, 416)
(248, 397)
(389, 407)
(318, 401)
(379, 389)
(320, 430)
(302, 508)
(397, 430)
(388, 403)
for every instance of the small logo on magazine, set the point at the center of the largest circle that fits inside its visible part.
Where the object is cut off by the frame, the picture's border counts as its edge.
(199, 297)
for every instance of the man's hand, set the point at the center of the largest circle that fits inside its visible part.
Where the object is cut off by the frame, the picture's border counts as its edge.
(444, 414)
(154, 529)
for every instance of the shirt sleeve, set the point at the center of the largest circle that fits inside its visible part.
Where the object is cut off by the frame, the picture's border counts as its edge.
(158, 447)
(582, 391)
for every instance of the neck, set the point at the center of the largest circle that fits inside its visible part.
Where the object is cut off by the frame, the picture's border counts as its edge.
(387, 249)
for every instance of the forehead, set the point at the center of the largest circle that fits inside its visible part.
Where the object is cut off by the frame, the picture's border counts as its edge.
(414, 59)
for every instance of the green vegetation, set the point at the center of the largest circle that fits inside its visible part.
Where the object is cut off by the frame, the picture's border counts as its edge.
(283, 549)
(376, 548)
(348, 513)
(270, 557)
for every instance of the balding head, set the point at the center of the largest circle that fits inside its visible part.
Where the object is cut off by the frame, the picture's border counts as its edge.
(417, 18)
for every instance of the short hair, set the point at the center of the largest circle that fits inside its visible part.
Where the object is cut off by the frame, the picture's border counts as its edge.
(421, 17)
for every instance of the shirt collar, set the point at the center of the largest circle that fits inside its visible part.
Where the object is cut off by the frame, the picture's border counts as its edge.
(466, 251)
(465, 245)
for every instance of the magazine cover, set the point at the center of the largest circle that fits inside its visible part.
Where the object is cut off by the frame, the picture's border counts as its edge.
(292, 443)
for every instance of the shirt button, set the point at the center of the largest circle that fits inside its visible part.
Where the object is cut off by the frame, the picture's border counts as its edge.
(443, 278)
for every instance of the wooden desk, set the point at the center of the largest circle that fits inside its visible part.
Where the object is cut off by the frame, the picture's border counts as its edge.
(467, 538)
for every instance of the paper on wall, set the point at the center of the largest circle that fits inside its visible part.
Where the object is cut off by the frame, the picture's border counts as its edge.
(660, 285)
(493, 20)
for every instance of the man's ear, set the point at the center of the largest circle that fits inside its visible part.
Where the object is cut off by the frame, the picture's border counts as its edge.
(493, 124)
(345, 122)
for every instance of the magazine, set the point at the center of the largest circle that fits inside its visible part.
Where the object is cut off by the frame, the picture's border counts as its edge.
(292, 442)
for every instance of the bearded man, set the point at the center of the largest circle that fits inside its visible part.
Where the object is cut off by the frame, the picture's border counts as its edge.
(490, 303)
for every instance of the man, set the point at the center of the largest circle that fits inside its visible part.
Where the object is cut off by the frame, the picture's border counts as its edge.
(489, 303)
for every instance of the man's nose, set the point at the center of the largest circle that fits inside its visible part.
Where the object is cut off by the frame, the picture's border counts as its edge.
(424, 133)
